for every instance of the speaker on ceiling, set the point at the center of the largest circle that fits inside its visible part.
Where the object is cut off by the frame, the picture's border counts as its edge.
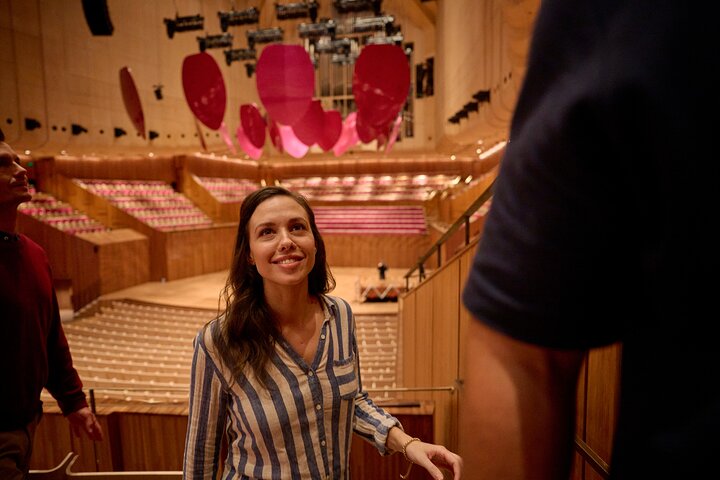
(97, 17)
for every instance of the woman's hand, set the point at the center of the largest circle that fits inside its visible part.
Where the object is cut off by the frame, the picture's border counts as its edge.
(431, 456)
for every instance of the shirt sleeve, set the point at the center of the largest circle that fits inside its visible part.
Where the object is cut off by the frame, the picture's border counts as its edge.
(63, 382)
(206, 416)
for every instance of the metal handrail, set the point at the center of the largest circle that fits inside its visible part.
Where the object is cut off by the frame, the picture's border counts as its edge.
(463, 219)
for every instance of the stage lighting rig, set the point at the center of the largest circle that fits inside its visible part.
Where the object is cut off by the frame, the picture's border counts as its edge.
(396, 39)
(325, 28)
(183, 24)
(297, 10)
(383, 23)
(347, 6)
(341, 46)
(238, 17)
(239, 54)
(264, 35)
(344, 58)
(222, 40)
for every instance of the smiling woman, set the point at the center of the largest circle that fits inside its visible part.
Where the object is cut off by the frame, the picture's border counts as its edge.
(277, 374)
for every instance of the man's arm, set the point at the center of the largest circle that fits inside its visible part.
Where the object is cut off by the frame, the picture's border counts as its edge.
(517, 408)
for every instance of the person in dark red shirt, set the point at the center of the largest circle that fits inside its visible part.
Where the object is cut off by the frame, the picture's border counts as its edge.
(35, 354)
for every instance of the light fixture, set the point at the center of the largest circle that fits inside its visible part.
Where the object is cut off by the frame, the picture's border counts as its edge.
(238, 17)
(152, 134)
(119, 132)
(297, 10)
(215, 41)
(344, 59)
(264, 35)
(77, 129)
(237, 54)
(482, 96)
(471, 106)
(347, 6)
(31, 124)
(325, 28)
(340, 46)
(396, 39)
(183, 24)
(383, 23)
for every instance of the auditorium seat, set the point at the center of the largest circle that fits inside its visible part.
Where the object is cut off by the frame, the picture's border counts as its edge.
(60, 215)
(227, 190)
(153, 202)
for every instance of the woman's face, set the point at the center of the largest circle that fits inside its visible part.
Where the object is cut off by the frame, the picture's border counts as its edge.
(282, 246)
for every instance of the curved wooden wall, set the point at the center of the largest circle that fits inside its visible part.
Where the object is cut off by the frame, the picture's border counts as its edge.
(433, 324)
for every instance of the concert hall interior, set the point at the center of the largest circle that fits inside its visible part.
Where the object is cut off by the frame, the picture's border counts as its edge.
(143, 125)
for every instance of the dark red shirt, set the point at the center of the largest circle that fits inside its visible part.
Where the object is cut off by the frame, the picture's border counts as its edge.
(35, 352)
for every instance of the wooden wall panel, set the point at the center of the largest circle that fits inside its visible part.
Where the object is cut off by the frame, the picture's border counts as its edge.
(422, 362)
(199, 251)
(602, 398)
(445, 333)
(204, 165)
(406, 342)
(397, 251)
(152, 441)
(366, 463)
(105, 262)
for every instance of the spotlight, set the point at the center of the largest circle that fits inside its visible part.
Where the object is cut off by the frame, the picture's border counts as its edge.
(482, 96)
(153, 134)
(215, 41)
(183, 24)
(157, 90)
(237, 54)
(388, 40)
(31, 124)
(238, 17)
(347, 6)
(77, 129)
(471, 106)
(297, 10)
(341, 45)
(249, 69)
(382, 23)
(119, 132)
(344, 59)
(264, 35)
(325, 28)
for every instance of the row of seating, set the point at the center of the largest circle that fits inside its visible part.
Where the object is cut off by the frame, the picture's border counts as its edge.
(153, 202)
(59, 215)
(402, 219)
(227, 190)
(132, 353)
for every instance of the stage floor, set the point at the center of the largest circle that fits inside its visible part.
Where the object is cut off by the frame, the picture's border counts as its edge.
(203, 291)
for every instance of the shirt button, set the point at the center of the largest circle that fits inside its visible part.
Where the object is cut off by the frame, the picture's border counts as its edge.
(322, 336)
(318, 407)
(310, 373)
(322, 443)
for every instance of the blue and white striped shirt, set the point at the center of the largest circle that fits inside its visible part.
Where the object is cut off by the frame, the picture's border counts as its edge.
(302, 429)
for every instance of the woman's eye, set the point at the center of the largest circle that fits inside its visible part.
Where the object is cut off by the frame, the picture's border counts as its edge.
(298, 226)
(265, 231)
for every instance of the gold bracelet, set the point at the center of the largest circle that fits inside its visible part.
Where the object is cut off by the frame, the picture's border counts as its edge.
(405, 445)
(404, 451)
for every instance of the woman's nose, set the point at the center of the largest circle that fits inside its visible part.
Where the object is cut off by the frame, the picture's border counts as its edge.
(286, 242)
